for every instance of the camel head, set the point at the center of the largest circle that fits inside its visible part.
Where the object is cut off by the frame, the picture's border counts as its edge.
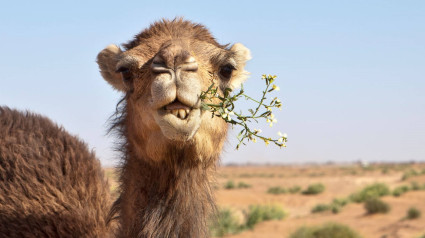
(162, 73)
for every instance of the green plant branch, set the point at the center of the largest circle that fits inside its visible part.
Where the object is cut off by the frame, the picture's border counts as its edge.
(225, 110)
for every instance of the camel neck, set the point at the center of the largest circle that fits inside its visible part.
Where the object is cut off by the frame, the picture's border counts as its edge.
(171, 198)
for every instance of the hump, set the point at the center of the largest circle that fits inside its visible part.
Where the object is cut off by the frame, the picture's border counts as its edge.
(51, 185)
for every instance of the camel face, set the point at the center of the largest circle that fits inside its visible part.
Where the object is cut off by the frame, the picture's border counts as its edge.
(162, 73)
(175, 89)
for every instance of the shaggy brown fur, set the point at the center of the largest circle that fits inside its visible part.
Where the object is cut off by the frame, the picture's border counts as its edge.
(168, 160)
(166, 29)
(50, 184)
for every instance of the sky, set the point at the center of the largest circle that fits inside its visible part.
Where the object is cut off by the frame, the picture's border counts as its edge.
(351, 73)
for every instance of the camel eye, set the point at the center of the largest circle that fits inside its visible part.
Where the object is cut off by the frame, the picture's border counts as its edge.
(125, 73)
(226, 71)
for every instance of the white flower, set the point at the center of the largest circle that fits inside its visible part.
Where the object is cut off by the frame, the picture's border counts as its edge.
(282, 145)
(272, 121)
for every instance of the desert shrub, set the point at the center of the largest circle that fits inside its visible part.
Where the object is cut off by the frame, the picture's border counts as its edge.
(340, 202)
(408, 174)
(371, 191)
(244, 185)
(294, 189)
(320, 208)
(413, 213)
(376, 205)
(261, 213)
(229, 185)
(225, 223)
(385, 171)
(329, 230)
(276, 190)
(415, 185)
(314, 189)
(398, 191)
(335, 209)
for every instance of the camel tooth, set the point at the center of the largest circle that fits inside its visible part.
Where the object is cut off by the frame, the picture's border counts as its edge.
(187, 112)
(182, 113)
(175, 112)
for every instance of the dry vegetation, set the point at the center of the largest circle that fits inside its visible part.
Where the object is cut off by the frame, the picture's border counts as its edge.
(337, 194)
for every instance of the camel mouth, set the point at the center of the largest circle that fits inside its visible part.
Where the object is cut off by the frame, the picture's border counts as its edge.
(178, 121)
(178, 109)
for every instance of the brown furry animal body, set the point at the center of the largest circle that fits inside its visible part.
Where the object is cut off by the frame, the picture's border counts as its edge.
(50, 184)
(170, 146)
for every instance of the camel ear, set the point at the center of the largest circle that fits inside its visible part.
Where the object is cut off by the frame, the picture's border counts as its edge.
(241, 55)
(107, 60)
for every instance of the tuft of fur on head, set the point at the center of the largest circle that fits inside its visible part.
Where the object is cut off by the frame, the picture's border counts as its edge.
(176, 28)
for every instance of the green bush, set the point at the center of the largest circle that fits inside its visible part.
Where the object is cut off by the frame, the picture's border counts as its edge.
(225, 223)
(276, 190)
(314, 189)
(340, 202)
(371, 191)
(330, 230)
(398, 191)
(385, 171)
(261, 213)
(413, 213)
(244, 185)
(415, 185)
(376, 205)
(294, 189)
(229, 185)
(335, 209)
(335, 206)
(320, 208)
(408, 174)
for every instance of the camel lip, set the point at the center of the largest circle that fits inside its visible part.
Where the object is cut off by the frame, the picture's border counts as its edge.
(178, 109)
(176, 105)
(178, 124)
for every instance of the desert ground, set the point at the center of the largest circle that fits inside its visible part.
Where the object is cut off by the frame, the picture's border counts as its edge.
(339, 180)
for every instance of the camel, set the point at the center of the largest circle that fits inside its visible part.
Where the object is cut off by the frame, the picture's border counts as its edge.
(169, 146)
(51, 185)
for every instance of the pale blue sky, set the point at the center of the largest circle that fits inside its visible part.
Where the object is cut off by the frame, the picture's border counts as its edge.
(351, 73)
